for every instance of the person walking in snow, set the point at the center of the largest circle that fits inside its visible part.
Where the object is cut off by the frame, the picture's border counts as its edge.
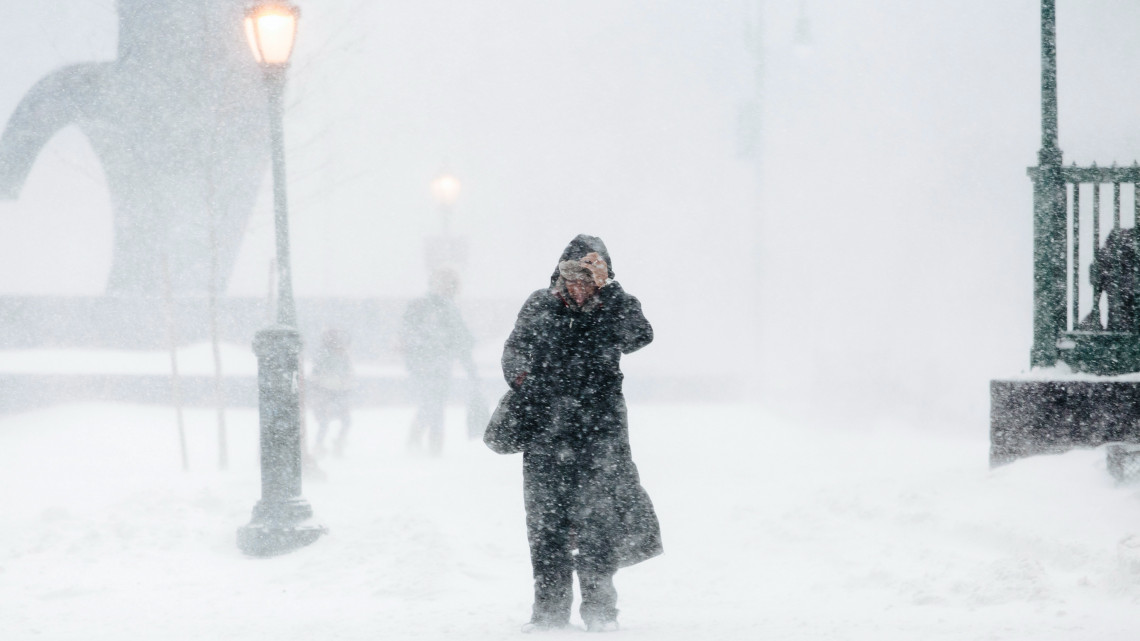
(585, 508)
(332, 381)
(1114, 272)
(433, 336)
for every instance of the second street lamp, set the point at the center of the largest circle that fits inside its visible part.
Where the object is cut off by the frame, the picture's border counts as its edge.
(282, 519)
(445, 249)
(445, 188)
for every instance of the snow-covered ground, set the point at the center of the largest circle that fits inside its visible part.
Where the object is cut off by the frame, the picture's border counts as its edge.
(772, 530)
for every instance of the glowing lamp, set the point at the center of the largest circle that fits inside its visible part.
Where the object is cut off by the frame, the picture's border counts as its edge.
(445, 187)
(270, 28)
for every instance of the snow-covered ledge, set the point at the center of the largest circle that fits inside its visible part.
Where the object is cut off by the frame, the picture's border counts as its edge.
(1051, 410)
(1062, 372)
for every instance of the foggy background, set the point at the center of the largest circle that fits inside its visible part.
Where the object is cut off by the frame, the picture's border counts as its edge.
(895, 242)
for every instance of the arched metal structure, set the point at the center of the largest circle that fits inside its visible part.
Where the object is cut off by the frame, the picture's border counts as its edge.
(178, 122)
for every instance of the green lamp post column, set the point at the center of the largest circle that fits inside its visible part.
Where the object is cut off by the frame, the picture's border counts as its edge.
(282, 519)
(1048, 209)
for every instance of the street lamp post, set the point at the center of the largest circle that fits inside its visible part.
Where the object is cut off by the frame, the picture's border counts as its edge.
(1049, 205)
(282, 519)
(446, 249)
(445, 188)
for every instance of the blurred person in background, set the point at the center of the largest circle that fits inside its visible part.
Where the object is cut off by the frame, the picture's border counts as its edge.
(433, 337)
(585, 508)
(1114, 271)
(332, 382)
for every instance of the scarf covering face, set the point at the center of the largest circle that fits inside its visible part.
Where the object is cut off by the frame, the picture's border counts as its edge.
(572, 270)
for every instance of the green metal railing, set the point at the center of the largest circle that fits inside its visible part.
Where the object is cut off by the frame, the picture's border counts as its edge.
(1078, 180)
(1061, 254)
(1089, 329)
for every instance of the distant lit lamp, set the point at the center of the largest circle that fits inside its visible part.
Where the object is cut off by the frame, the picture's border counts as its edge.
(445, 249)
(445, 188)
(282, 518)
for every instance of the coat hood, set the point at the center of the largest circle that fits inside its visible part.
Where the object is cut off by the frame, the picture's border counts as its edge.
(579, 247)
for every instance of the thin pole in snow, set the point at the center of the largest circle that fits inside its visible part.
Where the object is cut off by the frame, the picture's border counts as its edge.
(175, 380)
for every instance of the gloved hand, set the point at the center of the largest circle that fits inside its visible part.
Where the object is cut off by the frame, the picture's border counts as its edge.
(597, 266)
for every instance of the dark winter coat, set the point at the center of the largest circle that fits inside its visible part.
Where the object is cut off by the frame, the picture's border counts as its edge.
(565, 362)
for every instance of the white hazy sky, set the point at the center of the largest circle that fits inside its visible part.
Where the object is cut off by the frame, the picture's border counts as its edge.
(897, 238)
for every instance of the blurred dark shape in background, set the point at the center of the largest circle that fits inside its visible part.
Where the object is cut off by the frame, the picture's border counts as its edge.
(433, 337)
(330, 388)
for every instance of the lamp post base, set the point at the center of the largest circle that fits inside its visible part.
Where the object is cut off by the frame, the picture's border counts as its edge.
(278, 527)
